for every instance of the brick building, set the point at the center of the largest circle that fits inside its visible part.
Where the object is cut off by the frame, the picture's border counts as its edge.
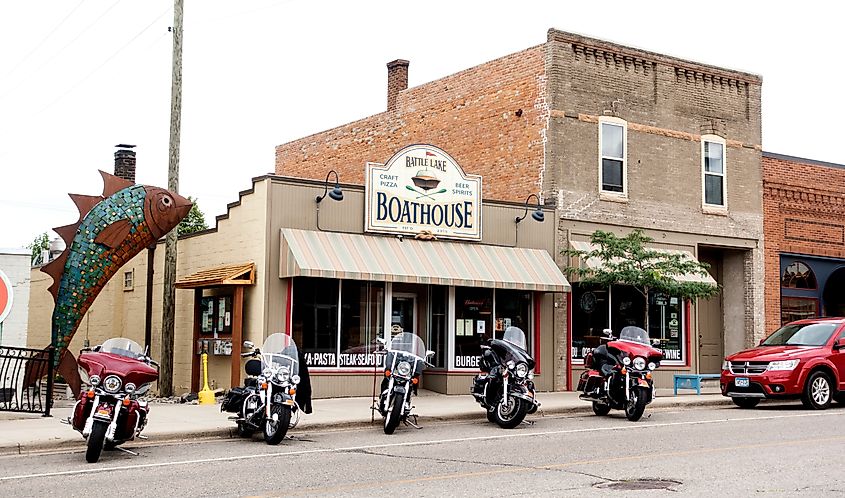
(613, 138)
(804, 207)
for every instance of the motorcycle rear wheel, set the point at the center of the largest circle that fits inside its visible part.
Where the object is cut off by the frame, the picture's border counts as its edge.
(274, 432)
(96, 440)
(600, 409)
(394, 413)
(510, 415)
(636, 405)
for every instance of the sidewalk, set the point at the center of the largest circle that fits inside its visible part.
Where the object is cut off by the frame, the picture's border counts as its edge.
(20, 433)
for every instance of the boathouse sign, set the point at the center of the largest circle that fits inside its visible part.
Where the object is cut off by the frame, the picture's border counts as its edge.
(421, 188)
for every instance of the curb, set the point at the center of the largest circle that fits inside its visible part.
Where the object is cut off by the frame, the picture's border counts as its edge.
(230, 432)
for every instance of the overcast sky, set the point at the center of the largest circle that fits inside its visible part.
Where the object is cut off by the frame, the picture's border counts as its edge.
(78, 77)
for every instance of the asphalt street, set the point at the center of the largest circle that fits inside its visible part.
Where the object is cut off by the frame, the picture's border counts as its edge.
(774, 450)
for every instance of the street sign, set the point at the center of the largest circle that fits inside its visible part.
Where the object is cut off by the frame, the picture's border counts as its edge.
(5, 296)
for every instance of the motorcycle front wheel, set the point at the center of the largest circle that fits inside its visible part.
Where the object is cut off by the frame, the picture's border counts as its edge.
(274, 431)
(394, 413)
(636, 404)
(96, 440)
(491, 415)
(509, 415)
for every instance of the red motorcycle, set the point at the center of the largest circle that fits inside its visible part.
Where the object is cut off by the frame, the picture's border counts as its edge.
(109, 413)
(618, 374)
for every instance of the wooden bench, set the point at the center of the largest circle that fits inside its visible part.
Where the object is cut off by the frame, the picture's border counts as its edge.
(692, 381)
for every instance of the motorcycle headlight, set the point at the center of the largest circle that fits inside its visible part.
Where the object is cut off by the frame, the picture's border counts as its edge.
(511, 364)
(639, 363)
(267, 373)
(95, 380)
(130, 388)
(112, 384)
(652, 365)
(294, 379)
(783, 365)
(626, 361)
(521, 370)
(403, 368)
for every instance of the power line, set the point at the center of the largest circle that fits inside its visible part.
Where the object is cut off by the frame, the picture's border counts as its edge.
(44, 40)
(65, 47)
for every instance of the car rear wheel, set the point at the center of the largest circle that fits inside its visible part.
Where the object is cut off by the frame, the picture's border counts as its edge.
(746, 403)
(817, 393)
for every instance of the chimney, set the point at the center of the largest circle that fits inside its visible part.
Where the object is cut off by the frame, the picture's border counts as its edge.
(124, 162)
(397, 80)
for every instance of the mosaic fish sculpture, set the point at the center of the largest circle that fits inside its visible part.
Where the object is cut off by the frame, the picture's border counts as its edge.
(111, 230)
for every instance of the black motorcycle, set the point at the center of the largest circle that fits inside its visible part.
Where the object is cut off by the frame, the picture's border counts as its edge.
(505, 386)
(267, 401)
(405, 359)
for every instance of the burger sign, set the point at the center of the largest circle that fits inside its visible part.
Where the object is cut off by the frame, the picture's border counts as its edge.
(422, 189)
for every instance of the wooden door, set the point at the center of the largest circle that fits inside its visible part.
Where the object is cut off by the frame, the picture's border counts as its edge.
(711, 330)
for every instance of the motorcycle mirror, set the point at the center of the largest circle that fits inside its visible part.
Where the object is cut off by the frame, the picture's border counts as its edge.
(381, 340)
(607, 332)
(249, 344)
(429, 353)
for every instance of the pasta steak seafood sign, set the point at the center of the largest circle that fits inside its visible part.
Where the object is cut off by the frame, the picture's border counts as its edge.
(421, 188)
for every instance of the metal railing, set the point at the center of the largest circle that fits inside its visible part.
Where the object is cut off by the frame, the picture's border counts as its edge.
(26, 380)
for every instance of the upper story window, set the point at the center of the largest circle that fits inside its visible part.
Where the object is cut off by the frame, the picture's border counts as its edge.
(613, 175)
(713, 171)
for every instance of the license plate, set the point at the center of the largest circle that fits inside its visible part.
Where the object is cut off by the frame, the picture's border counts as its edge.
(741, 382)
(102, 412)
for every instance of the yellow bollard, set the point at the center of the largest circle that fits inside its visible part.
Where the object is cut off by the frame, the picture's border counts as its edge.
(206, 395)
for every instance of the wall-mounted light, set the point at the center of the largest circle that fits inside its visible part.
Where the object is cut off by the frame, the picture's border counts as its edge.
(537, 215)
(335, 194)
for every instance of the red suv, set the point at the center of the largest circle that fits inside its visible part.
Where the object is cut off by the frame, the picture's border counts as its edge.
(803, 359)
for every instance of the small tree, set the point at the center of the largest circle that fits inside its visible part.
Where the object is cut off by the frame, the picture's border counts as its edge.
(38, 246)
(627, 260)
(194, 222)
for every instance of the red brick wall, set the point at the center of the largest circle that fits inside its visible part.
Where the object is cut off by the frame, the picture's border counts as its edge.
(803, 213)
(472, 115)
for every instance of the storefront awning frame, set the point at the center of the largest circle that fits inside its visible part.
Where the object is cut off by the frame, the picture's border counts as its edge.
(308, 253)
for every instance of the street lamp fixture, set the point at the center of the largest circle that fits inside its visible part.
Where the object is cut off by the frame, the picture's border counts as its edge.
(335, 194)
(537, 215)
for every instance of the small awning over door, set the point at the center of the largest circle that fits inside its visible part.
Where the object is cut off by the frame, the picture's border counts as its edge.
(689, 277)
(388, 259)
(215, 276)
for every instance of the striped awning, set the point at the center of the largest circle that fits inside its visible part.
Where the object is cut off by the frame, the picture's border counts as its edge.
(309, 253)
(689, 277)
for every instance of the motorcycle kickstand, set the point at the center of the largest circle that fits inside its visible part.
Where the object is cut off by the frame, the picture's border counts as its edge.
(527, 422)
(141, 436)
(126, 451)
(412, 424)
(65, 421)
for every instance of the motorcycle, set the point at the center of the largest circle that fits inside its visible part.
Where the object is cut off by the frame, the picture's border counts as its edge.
(619, 374)
(267, 401)
(505, 386)
(109, 412)
(405, 359)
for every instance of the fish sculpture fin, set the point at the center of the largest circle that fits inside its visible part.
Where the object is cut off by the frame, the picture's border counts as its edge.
(67, 233)
(114, 234)
(55, 269)
(69, 369)
(112, 184)
(85, 203)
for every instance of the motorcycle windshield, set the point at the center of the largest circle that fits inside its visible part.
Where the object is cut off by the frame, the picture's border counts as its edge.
(407, 342)
(123, 347)
(279, 350)
(516, 336)
(634, 334)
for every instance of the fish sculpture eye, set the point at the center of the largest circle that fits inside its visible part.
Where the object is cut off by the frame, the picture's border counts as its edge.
(165, 202)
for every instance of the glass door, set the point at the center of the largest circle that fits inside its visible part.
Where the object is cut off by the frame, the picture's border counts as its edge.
(403, 313)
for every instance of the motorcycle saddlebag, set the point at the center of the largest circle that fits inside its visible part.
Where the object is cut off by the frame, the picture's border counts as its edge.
(234, 400)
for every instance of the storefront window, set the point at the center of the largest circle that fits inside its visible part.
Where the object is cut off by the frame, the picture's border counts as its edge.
(513, 308)
(665, 323)
(473, 324)
(797, 308)
(439, 305)
(594, 308)
(361, 317)
(314, 319)
(798, 276)
(589, 317)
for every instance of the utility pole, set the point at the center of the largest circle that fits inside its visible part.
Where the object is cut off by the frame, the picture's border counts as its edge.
(168, 311)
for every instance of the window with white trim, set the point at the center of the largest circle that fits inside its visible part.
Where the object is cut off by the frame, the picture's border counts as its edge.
(713, 171)
(612, 148)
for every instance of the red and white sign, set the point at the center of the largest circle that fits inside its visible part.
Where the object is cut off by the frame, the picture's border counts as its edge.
(5, 296)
